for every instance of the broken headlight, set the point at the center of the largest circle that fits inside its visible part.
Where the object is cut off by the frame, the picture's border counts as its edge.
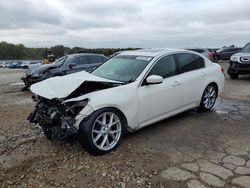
(74, 107)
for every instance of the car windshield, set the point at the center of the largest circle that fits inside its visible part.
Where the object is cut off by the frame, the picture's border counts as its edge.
(60, 61)
(124, 68)
(221, 50)
(246, 49)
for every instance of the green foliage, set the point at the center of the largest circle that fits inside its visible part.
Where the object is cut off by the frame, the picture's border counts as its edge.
(10, 51)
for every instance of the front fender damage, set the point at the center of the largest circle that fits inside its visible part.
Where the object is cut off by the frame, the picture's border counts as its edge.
(60, 117)
(83, 114)
(56, 122)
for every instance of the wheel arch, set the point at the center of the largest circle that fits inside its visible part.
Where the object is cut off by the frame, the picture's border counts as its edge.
(201, 105)
(207, 84)
(124, 118)
(125, 121)
(216, 87)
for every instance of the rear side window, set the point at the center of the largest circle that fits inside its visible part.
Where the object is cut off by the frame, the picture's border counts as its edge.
(95, 59)
(165, 67)
(189, 62)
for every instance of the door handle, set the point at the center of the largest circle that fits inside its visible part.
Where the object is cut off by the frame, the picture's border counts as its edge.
(176, 83)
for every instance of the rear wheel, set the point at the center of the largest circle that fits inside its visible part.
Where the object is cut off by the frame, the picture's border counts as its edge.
(102, 132)
(208, 98)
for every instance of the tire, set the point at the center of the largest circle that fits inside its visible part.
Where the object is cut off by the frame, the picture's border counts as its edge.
(208, 98)
(97, 135)
(233, 76)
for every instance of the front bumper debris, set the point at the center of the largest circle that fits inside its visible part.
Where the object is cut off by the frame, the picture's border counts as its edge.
(55, 124)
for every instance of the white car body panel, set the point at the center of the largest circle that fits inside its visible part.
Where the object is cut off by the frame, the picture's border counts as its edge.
(62, 86)
(150, 107)
(141, 104)
(122, 98)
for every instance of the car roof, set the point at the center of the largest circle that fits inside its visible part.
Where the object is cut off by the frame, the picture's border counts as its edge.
(152, 52)
(81, 54)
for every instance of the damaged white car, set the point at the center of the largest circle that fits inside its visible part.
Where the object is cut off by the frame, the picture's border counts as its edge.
(130, 91)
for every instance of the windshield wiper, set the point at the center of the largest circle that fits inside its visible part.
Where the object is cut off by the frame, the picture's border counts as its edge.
(129, 81)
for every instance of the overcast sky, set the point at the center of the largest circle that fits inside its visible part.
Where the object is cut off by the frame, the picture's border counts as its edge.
(125, 23)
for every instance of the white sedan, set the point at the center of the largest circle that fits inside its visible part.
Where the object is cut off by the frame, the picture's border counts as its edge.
(130, 91)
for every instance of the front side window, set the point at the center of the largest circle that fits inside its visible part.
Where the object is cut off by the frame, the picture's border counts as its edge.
(124, 68)
(80, 60)
(61, 60)
(165, 67)
(189, 62)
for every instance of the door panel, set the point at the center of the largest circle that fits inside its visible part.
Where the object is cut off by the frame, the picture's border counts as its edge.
(159, 99)
(194, 73)
(193, 84)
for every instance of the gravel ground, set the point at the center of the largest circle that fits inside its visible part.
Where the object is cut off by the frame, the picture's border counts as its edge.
(188, 150)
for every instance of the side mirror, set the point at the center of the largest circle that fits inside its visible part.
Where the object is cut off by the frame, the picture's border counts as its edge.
(154, 79)
(72, 65)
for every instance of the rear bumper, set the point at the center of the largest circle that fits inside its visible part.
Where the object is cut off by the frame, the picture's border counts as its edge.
(238, 68)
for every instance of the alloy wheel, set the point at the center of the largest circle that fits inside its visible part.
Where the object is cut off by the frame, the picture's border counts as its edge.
(106, 131)
(209, 97)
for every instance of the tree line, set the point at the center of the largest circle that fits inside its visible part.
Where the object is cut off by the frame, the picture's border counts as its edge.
(10, 51)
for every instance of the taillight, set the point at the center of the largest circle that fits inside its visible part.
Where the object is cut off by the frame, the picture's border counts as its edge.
(222, 70)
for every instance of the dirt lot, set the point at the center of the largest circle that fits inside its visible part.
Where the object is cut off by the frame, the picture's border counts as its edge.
(189, 150)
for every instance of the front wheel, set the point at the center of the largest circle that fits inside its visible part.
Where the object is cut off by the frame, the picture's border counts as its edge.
(102, 132)
(208, 98)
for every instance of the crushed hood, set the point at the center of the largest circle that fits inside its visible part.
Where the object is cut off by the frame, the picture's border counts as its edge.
(62, 86)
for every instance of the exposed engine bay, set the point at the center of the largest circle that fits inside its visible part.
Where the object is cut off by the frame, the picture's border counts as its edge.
(57, 117)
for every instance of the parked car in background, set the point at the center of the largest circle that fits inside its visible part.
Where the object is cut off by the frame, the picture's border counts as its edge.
(1, 64)
(204, 51)
(225, 53)
(31, 64)
(66, 65)
(128, 92)
(4, 65)
(15, 65)
(240, 63)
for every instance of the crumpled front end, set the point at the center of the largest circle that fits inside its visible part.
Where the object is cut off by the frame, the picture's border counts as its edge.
(56, 118)
(57, 107)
